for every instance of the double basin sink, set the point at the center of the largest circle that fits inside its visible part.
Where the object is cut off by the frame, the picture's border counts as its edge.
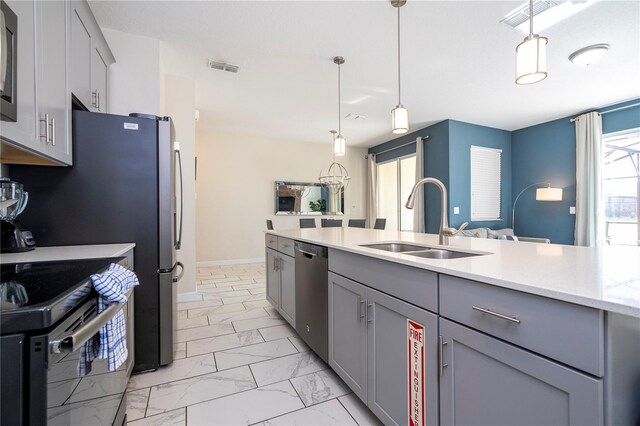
(420, 251)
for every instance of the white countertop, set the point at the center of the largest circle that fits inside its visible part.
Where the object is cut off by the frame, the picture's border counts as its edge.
(43, 254)
(606, 278)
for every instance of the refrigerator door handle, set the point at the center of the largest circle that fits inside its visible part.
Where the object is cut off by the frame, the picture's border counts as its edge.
(176, 279)
(178, 234)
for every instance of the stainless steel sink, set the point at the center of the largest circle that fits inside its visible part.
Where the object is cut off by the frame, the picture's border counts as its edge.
(395, 247)
(442, 254)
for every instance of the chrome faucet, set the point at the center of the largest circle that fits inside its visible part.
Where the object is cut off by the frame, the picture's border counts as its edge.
(445, 231)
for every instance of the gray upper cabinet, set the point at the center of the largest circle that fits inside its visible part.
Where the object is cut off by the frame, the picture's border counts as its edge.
(22, 133)
(80, 58)
(489, 382)
(52, 90)
(347, 333)
(90, 59)
(389, 359)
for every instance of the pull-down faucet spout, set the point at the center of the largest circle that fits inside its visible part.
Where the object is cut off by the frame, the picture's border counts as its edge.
(445, 230)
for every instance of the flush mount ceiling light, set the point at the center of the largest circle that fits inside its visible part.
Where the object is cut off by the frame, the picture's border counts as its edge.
(589, 55)
(399, 115)
(339, 143)
(531, 56)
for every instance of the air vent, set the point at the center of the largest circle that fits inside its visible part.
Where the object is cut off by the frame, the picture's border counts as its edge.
(223, 66)
(521, 15)
(352, 116)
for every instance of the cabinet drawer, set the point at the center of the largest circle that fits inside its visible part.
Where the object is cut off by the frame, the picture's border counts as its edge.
(271, 241)
(563, 331)
(285, 245)
(413, 285)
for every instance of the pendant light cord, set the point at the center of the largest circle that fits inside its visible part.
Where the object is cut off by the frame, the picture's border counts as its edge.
(399, 98)
(339, 107)
(530, 18)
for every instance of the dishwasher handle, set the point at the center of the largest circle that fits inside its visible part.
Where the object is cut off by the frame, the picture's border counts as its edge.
(310, 251)
(307, 253)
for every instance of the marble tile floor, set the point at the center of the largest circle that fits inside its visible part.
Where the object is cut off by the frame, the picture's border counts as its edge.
(237, 362)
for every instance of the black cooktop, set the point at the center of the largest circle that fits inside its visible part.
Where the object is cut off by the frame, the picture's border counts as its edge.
(36, 295)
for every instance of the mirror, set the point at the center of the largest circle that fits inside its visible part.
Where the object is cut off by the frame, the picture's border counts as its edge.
(304, 198)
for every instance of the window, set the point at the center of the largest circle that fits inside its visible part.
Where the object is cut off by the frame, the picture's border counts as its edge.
(485, 183)
(395, 181)
(621, 181)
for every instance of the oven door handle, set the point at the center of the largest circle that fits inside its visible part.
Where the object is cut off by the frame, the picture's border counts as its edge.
(74, 341)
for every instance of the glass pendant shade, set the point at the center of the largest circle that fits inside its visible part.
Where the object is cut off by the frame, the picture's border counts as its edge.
(531, 60)
(339, 146)
(400, 120)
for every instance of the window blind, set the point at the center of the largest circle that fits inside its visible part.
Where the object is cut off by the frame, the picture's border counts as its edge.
(485, 183)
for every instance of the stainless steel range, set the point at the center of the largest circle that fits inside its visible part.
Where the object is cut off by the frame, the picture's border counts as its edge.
(48, 311)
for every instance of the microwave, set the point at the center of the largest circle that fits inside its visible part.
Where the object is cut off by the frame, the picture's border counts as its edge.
(8, 63)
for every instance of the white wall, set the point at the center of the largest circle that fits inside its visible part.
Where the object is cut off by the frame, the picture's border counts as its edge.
(134, 80)
(235, 189)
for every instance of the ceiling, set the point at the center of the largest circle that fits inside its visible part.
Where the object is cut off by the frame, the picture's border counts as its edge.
(458, 62)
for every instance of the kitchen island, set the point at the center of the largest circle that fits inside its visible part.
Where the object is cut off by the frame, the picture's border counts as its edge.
(519, 333)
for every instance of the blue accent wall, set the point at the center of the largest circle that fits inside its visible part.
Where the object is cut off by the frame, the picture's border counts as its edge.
(547, 153)
(461, 137)
(436, 164)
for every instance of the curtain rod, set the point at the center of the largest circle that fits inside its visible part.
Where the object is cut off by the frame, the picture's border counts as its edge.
(611, 110)
(399, 146)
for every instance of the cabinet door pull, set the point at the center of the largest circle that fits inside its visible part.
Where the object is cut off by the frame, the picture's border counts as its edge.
(98, 92)
(361, 314)
(368, 319)
(443, 364)
(53, 131)
(496, 314)
(47, 135)
(94, 99)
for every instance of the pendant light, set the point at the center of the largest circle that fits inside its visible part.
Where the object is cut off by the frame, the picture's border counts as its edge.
(339, 143)
(531, 56)
(336, 177)
(399, 115)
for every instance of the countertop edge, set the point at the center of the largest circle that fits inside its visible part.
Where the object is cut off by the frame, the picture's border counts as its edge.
(57, 253)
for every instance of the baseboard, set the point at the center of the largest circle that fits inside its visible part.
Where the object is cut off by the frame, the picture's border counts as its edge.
(228, 262)
(188, 297)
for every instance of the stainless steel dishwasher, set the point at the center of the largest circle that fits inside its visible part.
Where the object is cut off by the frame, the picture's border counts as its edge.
(312, 297)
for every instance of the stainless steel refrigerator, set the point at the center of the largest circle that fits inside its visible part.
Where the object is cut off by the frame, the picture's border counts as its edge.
(121, 188)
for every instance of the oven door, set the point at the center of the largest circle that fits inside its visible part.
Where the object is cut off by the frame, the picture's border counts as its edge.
(61, 395)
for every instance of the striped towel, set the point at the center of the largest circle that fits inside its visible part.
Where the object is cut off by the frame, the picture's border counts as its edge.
(110, 342)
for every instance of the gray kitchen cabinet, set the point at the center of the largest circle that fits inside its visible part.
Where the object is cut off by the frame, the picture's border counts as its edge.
(52, 90)
(281, 283)
(369, 349)
(388, 359)
(486, 381)
(80, 54)
(22, 132)
(90, 59)
(287, 288)
(273, 278)
(348, 333)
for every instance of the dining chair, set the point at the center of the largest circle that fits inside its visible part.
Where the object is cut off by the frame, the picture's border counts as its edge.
(331, 223)
(380, 223)
(307, 223)
(357, 223)
(269, 224)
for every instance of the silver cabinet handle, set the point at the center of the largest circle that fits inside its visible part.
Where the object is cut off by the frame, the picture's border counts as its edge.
(47, 135)
(53, 131)
(368, 319)
(97, 91)
(94, 100)
(74, 341)
(496, 314)
(442, 364)
(360, 311)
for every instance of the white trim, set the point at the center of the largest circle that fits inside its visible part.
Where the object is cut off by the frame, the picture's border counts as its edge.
(205, 263)
(192, 296)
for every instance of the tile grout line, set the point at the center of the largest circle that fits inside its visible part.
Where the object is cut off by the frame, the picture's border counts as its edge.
(347, 410)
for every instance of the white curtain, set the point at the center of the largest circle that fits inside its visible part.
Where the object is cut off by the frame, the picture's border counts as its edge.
(589, 205)
(372, 196)
(418, 207)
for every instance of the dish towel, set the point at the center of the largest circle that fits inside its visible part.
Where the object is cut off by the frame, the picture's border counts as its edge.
(110, 342)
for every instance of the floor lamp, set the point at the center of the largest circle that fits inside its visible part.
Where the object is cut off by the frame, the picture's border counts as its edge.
(542, 194)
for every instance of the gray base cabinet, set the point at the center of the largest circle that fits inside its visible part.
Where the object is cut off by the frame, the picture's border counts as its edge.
(281, 284)
(369, 349)
(489, 382)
